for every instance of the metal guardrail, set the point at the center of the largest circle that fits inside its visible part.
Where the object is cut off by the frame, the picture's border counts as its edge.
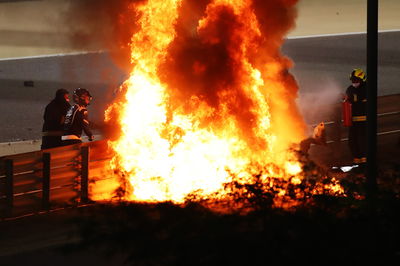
(388, 119)
(381, 133)
(336, 151)
(48, 179)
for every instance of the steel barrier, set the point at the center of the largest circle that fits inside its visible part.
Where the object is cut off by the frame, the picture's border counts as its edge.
(46, 179)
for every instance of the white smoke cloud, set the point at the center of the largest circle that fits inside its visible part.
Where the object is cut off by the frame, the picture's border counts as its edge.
(321, 104)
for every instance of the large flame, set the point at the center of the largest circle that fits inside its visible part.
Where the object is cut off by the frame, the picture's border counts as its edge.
(209, 99)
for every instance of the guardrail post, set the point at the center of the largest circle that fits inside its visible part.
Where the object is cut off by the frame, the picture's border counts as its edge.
(46, 181)
(84, 174)
(9, 167)
(372, 95)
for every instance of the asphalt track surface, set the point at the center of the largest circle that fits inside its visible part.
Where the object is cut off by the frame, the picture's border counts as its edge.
(322, 63)
(321, 67)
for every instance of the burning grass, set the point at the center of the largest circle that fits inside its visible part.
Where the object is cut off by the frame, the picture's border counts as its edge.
(269, 183)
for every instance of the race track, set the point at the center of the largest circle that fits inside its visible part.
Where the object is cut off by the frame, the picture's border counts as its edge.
(321, 67)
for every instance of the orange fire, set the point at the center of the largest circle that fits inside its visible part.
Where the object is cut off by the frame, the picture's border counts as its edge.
(209, 99)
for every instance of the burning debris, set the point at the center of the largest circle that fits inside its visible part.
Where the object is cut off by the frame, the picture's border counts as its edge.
(209, 101)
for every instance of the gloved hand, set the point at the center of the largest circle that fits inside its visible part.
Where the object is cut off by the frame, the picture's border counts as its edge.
(91, 138)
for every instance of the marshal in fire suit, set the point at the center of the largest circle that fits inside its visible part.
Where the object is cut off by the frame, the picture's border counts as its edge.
(54, 116)
(76, 119)
(356, 94)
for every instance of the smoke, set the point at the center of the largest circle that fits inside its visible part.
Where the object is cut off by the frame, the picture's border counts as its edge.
(203, 63)
(209, 56)
(276, 19)
(208, 59)
(321, 103)
(102, 25)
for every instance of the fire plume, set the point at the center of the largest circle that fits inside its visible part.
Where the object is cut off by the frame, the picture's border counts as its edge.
(209, 99)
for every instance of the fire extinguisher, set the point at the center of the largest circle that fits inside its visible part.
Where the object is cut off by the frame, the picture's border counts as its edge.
(347, 117)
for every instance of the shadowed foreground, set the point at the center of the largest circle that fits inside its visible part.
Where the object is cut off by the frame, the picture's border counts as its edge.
(321, 231)
(331, 231)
